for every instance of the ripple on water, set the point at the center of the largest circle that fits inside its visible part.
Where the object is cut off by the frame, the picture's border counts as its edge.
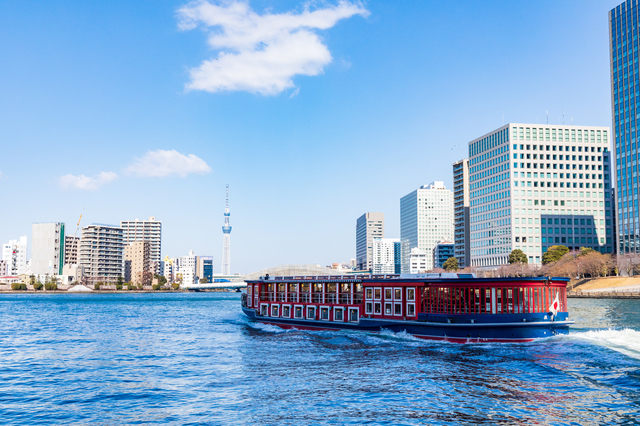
(194, 358)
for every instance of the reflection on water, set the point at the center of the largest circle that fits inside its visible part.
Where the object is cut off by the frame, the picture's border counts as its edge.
(193, 358)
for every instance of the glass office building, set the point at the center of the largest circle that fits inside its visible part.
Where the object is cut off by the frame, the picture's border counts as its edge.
(623, 34)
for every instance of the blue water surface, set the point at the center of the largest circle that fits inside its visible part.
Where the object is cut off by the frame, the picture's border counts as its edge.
(194, 359)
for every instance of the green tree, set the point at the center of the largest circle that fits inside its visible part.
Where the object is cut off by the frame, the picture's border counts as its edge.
(161, 280)
(553, 254)
(204, 280)
(119, 281)
(586, 250)
(518, 256)
(451, 265)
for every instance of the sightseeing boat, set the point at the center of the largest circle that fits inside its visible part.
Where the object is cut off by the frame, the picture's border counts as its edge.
(451, 307)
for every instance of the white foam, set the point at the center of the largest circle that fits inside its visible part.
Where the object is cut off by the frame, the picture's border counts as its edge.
(269, 328)
(626, 341)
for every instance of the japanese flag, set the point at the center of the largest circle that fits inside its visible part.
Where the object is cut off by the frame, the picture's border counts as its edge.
(555, 306)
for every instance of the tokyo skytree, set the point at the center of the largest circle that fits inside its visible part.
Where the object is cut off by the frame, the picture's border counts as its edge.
(226, 240)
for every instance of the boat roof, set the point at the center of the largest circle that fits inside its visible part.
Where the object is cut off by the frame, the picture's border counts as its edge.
(430, 277)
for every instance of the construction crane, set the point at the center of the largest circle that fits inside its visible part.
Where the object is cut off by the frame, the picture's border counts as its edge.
(75, 235)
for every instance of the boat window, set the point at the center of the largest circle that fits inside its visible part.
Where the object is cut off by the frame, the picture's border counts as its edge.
(345, 288)
(487, 299)
(274, 310)
(397, 309)
(358, 288)
(411, 309)
(249, 292)
(411, 294)
(387, 294)
(387, 308)
(499, 300)
(332, 287)
(377, 293)
(298, 312)
(536, 302)
(330, 297)
(264, 310)
(397, 294)
(317, 293)
(369, 308)
(324, 313)
(476, 300)
(293, 287)
(286, 311)
(270, 287)
(311, 312)
(338, 314)
(369, 293)
(353, 314)
(377, 308)
(509, 306)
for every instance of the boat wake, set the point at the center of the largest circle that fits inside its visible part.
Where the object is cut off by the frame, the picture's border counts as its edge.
(626, 341)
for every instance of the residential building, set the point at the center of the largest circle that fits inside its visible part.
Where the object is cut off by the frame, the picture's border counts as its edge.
(418, 261)
(170, 269)
(15, 254)
(461, 233)
(204, 268)
(533, 186)
(145, 230)
(426, 217)
(101, 253)
(4, 268)
(625, 101)
(71, 245)
(368, 226)
(137, 263)
(385, 255)
(442, 252)
(47, 248)
(187, 269)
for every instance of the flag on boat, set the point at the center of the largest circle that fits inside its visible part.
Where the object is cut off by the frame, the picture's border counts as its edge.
(555, 306)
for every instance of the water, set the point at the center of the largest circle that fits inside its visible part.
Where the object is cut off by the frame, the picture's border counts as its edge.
(194, 359)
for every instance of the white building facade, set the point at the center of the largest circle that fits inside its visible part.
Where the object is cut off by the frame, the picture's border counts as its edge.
(417, 261)
(384, 255)
(187, 269)
(369, 226)
(534, 186)
(461, 216)
(426, 217)
(47, 248)
(145, 230)
(15, 254)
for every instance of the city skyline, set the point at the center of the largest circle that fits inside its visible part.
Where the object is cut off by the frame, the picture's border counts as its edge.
(394, 83)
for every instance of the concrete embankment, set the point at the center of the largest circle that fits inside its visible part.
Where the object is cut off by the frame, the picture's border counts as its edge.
(608, 288)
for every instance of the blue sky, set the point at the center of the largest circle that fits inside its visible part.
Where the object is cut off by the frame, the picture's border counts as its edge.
(312, 119)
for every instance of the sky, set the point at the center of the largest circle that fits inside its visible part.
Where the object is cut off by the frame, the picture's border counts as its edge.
(313, 112)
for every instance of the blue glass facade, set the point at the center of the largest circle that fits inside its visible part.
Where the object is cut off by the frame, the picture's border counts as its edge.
(623, 21)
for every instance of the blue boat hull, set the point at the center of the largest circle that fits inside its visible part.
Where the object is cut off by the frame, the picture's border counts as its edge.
(458, 328)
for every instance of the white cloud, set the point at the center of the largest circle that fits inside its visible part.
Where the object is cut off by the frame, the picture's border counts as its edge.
(86, 182)
(165, 163)
(260, 53)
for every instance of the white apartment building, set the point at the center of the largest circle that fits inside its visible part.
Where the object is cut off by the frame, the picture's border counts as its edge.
(534, 186)
(4, 267)
(418, 261)
(187, 268)
(47, 248)
(71, 245)
(385, 255)
(368, 226)
(101, 253)
(426, 217)
(145, 230)
(15, 254)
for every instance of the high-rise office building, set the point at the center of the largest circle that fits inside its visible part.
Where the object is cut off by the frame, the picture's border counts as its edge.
(625, 99)
(533, 186)
(368, 226)
(461, 236)
(137, 263)
(145, 230)
(385, 256)
(15, 254)
(101, 253)
(426, 217)
(47, 248)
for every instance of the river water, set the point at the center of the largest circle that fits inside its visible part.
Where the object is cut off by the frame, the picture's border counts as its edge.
(194, 359)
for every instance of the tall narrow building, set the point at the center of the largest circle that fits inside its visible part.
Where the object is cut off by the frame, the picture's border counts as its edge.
(145, 230)
(625, 91)
(47, 248)
(426, 217)
(368, 227)
(101, 253)
(14, 253)
(226, 240)
(462, 239)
